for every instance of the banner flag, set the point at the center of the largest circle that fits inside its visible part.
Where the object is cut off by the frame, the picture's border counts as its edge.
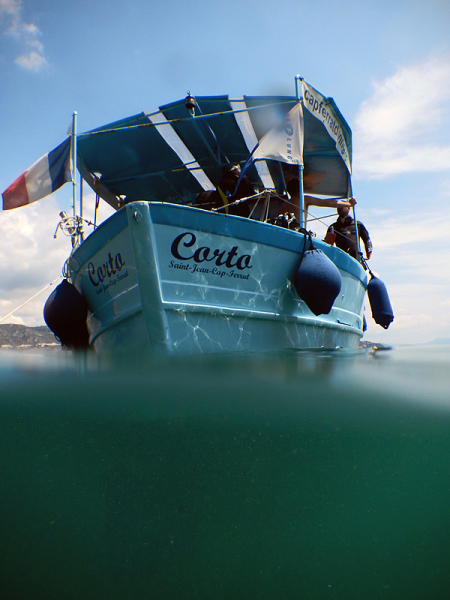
(45, 176)
(320, 107)
(283, 143)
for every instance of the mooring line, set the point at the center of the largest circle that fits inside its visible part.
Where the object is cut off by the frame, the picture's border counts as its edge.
(30, 299)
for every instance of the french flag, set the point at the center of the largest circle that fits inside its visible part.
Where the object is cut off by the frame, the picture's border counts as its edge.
(44, 176)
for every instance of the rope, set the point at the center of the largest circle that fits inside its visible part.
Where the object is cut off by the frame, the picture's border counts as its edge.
(183, 119)
(224, 199)
(307, 234)
(326, 225)
(365, 265)
(320, 218)
(240, 201)
(30, 299)
(287, 201)
(254, 207)
(255, 196)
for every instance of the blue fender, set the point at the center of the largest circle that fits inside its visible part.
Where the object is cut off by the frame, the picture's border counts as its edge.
(380, 304)
(318, 281)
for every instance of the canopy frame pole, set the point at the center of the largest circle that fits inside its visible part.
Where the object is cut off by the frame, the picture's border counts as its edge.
(205, 141)
(358, 243)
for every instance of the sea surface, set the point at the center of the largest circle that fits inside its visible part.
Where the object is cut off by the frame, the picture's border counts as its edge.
(286, 475)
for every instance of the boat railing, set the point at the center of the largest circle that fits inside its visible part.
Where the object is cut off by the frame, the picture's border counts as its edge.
(267, 196)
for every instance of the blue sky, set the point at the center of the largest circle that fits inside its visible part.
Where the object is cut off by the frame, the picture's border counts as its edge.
(385, 62)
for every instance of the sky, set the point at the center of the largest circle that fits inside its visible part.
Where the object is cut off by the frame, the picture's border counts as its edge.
(386, 63)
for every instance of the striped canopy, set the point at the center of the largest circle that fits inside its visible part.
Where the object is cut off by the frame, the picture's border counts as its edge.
(172, 155)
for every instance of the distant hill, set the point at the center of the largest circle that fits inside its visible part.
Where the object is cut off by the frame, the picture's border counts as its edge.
(366, 344)
(440, 342)
(20, 337)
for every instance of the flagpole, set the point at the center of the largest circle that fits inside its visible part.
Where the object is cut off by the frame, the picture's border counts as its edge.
(81, 206)
(74, 160)
(302, 197)
(300, 167)
(297, 79)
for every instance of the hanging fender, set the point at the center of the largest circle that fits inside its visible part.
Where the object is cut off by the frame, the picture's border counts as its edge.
(318, 281)
(379, 301)
(65, 313)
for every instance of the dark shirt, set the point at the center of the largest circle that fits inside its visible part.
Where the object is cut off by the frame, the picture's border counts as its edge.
(346, 236)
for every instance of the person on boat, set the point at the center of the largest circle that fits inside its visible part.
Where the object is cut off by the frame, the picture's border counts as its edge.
(342, 233)
(225, 194)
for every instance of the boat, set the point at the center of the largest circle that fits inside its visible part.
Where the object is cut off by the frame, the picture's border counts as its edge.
(209, 247)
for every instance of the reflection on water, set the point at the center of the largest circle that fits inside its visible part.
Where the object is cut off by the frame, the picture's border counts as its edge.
(288, 475)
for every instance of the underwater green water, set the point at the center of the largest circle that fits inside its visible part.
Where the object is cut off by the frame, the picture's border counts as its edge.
(288, 475)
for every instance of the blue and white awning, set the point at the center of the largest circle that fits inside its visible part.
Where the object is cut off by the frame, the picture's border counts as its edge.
(171, 156)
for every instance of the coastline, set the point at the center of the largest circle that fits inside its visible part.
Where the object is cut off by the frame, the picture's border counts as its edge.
(21, 337)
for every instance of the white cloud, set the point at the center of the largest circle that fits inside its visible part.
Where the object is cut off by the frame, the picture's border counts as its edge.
(420, 313)
(411, 250)
(400, 128)
(401, 229)
(31, 258)
(33, 61)
(11, 9)
(444, 188)
(26, 34)
(29, 29)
